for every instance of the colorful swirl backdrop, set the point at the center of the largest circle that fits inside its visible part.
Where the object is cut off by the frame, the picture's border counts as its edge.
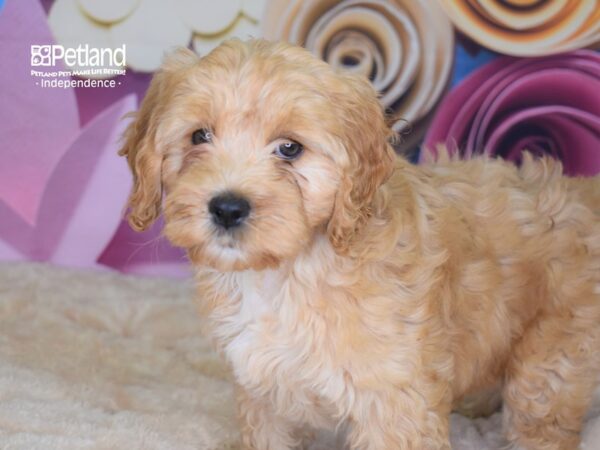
(478, 76)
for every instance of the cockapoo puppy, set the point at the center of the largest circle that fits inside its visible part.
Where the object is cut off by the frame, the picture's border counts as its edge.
(349, 289)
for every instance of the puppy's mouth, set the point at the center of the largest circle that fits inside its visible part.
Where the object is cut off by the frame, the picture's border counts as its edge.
(228, 239)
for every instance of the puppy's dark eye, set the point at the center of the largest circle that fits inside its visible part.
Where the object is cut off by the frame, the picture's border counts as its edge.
(201, 136)
(289, 150)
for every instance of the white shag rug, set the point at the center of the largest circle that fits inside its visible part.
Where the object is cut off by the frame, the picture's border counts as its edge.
(105, 361)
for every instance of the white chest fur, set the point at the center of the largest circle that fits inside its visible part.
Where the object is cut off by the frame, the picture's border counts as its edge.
(273, 352)
(257, 294)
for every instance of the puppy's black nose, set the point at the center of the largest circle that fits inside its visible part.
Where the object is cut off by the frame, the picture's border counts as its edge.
(229, 210)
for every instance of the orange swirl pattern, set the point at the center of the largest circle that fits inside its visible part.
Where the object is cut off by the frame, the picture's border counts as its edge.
(405, 47)
(528, 27)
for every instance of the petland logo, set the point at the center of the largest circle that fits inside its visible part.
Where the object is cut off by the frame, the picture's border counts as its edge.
(82, 56)
(81, 61)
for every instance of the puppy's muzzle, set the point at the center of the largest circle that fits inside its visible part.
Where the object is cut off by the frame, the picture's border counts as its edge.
(228, 210)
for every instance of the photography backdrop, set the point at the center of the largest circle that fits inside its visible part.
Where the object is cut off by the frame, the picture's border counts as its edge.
(494, 76)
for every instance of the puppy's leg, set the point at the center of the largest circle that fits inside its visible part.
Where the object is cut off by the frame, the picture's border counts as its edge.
(399, 419)
(549, 383)
(260, 428)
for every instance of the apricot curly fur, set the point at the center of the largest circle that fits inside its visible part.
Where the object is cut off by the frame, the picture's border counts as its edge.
(363, 293)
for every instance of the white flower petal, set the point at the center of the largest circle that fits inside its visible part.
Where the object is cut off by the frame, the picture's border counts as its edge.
(254, 8)
(72, 28)
(108, 11)
(152, 30)
(209, 16)
(243, 29)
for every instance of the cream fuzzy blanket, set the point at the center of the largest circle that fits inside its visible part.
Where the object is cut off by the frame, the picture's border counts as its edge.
(106, 361)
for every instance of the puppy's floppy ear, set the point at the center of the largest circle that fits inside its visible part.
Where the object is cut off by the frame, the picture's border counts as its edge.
(140, 141)
(368, 164)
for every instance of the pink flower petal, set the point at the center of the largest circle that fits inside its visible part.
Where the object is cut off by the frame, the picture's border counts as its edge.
(36, 124)
(83, 202)
(146, 253)
(100, 207)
